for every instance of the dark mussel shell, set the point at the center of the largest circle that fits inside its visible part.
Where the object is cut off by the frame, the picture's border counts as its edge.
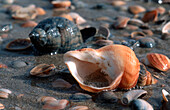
(18, 44)
(56, 34)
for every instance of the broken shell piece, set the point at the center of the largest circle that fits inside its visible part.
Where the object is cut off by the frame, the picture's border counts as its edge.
(61, 3)
(55, 104)
(136, 22)
(147, 32)
(145, 77)
(6, 90)
(159, 61)
(136, 9)
(77, 18)
(2, 106)
(40, 11)
(165, 94)
(44, 99)
(137, 34)
(118, 3)
(3, 66)
(18, 45)
(13, 8)
(132, 95)
(61, 83)
(79, 108)
(150, 16)
(140, 104)
(103, 69)
(166, 28)
(104, 31)
(120, 22)
(43, 70)
(29, 24)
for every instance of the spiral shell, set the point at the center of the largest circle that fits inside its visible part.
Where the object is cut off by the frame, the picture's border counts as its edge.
(105, 68)
(55, 34)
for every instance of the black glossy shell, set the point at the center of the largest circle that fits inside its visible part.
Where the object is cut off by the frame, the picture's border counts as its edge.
(56, 34)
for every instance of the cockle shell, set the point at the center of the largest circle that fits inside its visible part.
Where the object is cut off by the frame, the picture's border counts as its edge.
(105, 68)
(158, 61)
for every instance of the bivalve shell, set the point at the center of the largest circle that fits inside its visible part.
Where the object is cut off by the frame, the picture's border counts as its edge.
(105, 68)
(136, 9)
(120, 22)
(165, 94)
(150, 16)
(79, 108)
(132, 95)
(2, 106)
(40, 11)
(159, 61)
(118, 3)
(61, 3)
(29, 24)
(166, 28)
(18, 45)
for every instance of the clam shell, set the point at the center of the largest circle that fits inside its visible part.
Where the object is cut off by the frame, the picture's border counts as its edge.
(55, 104)
(132, 95)
(118, 3)
(2, 106)
(67, 16)
(18, 44)
(3, 95)
(140, 104)
(136, 9)
(159, 61)
(137, 34)
(103, 69)
(61, 3)
(120, 22)
(43, 70)
(79, 108)
(40, 11)
(46, 98)
(166, 28)
(165, 94)
(29, 24)
(78, 19)
(151, 16)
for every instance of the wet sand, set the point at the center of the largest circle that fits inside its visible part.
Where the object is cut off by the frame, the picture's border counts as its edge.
(19, 81)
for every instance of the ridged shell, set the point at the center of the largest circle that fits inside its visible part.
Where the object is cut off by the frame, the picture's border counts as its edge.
(145, 77)
(56, 34)
(106, 68)
(158, 61)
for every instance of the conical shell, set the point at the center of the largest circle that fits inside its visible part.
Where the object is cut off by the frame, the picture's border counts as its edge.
(158, 61)
(131, 95)
(106, 68)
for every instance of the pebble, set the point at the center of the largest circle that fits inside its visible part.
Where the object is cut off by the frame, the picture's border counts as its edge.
(147, 42)
(61, 83)
(18, 64)
(79, 97)
(106, 97)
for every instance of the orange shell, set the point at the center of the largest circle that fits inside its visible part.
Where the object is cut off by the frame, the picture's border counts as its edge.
(40, 11)
(29, 24)
(150, 16)
(136, 9)
(159, 61)
(62, 3)
(116, 63)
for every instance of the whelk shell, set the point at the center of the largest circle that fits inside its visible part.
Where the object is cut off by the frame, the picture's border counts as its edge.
(145, 77)
(159, 61)
(132, 95)
(18, 44)
(136, 9)
(165, 94)
(43, 70)
(150, 16)
(106, 68)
